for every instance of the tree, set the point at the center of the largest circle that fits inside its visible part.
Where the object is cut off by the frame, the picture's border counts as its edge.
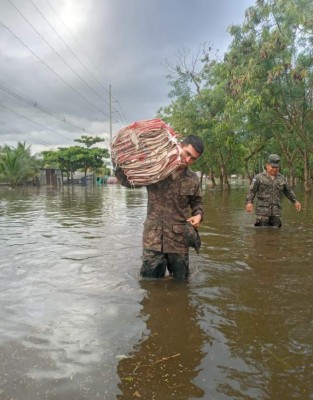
(198, 108)
(89, 141)
(71, 159)
(270, 73)
(92, 158)
(17, 164)
(256, 101)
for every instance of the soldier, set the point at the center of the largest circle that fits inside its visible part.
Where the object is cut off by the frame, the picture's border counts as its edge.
(169, 229)
(270, 186)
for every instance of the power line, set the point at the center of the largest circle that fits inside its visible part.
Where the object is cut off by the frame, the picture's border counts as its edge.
(51, 47)
(121, 112)
(24, 133)
(69, 48)
(34, 103)
(22, 97)
(51, 69)
(77, 42)
(34, 122)
(81, 48)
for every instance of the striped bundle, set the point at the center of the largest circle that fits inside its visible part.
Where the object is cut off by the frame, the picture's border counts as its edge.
(147, 151)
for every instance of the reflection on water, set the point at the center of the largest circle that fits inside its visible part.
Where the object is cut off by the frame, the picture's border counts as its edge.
(78, 323)
(166, 361)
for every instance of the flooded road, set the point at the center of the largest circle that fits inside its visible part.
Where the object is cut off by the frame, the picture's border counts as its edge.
(77, 322)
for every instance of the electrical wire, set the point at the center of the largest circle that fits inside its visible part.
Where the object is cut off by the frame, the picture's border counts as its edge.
(34, 103)
(51, 69)
(51, 47)
(27, 100)
(69, 48)
(24, 133)
(84, 52)
(30, 120)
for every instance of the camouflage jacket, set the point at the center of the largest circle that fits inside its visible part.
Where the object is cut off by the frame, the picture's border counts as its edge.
(269, 193)
(170, 202)
(169, 205)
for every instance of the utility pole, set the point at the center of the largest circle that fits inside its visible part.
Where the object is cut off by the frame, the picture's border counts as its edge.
(110, 100)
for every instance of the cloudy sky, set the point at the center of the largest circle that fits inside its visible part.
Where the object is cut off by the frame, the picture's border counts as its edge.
(59, 59)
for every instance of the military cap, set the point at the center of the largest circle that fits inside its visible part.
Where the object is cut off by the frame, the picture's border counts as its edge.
(192, 237)
(274, 160)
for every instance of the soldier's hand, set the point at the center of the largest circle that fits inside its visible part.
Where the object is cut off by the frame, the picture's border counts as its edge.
(249, 207)
(195, 220)
(298, 205)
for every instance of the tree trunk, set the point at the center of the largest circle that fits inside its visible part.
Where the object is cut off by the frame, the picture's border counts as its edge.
(201, 178)
(249, 176)
(307, 173)
(292, 178)
(224, 176)
(212, 177)
(221, 179)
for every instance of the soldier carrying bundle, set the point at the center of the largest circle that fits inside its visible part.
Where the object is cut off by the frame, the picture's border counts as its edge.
(147, 153)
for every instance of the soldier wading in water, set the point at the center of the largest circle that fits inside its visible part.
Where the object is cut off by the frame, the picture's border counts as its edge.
(169, 230)
(269, 187)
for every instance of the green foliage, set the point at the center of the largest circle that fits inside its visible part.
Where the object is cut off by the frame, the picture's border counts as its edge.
(259, 98)
(89, 141)
(270, 74)
(17, 164)
(74, 158)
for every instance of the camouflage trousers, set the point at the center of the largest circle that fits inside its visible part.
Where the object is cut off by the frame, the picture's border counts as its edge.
(268, 221)
(155, 263)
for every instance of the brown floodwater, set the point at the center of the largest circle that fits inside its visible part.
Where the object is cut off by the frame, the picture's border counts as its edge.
(77, 322)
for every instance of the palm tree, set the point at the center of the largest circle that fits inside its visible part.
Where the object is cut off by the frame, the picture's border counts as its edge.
(17, 164)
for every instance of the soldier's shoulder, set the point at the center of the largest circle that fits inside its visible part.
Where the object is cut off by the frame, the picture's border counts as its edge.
(192, 174)
(281, 177)
(257, 177)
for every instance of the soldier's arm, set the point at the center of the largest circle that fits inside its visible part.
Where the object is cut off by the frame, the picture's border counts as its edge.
(122, 179)
(254, 187)
(289, 193)
(196, 205)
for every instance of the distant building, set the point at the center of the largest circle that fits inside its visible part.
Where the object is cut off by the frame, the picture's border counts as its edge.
(79, 178)
(51, 176)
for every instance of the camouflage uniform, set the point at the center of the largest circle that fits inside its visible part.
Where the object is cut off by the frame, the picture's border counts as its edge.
(164, 240)
(269, 193)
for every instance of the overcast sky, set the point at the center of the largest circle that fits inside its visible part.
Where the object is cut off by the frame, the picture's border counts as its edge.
(58, 59)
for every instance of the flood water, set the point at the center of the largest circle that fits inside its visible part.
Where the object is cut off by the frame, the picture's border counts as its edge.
(77, 322)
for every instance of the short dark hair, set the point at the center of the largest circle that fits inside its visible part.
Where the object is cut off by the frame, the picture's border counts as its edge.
(195, 141)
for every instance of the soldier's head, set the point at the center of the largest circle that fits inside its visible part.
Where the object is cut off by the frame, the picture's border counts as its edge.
(272, 165)
(192, 148)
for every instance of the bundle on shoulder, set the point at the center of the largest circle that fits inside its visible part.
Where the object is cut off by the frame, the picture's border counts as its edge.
(147, 151)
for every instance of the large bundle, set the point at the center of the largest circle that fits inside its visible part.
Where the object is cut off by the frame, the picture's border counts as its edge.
(147, 151)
